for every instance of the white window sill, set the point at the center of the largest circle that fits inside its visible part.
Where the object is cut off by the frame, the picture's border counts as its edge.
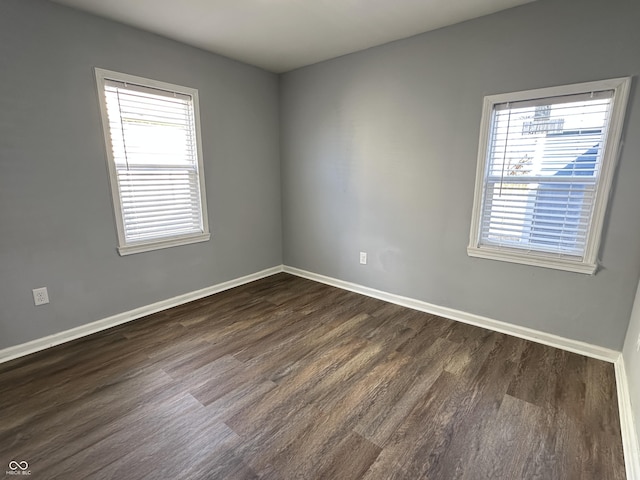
(158, 244)
(539, 260)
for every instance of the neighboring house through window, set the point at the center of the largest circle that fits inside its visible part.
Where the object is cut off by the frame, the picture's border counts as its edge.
(545, 165)
(152, 135)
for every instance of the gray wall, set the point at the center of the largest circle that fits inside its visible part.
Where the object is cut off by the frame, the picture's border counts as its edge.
(632, 361)
(379, 154)
(57, 228)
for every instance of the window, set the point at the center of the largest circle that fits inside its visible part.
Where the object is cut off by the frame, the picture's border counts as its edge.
(152, 135)
(545, 164)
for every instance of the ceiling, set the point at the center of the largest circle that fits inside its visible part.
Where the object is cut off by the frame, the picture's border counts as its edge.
(281, 35)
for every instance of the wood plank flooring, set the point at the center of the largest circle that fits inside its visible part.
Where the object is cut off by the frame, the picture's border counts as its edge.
(285, 378)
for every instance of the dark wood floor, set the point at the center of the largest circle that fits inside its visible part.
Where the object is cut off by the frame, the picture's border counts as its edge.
(285, 378)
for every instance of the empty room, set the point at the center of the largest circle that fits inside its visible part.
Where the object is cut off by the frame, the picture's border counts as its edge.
(341, 239)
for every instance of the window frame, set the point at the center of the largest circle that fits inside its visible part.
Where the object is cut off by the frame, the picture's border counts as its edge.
(127, 247)
(610, 154)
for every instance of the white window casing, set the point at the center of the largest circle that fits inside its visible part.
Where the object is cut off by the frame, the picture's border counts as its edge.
(154, 157)
(546, 160)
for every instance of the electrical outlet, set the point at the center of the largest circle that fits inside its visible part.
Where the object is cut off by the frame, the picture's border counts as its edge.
(40, 296)
(638, 344)
(363, 258)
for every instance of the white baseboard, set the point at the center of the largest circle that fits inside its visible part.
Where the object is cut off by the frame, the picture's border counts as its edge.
(61, 337)
(568, 344)
(627, 425)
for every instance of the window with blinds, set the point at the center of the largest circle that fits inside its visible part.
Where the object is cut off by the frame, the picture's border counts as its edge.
(153, 149)
(546, 161)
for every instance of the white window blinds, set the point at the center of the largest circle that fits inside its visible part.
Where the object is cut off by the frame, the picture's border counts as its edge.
(154, 152)
(543, 164)
(540, 190)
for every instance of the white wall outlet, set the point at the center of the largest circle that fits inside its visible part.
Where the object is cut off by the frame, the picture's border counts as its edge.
(363, 258)
(40, 296)
(638, 344)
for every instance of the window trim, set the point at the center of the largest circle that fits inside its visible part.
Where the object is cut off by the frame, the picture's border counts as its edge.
(589, 262)
(128, 248)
